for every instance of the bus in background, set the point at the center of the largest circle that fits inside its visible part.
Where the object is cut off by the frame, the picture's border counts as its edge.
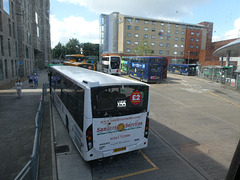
(148, 68)
(79, 61)
(104, 115)
(125, 64)
(75, 58)
(185, 69)
(111, 64)
(93, 60)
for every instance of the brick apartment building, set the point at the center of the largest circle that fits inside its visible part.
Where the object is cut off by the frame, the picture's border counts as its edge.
(24, 37)
(180, 42)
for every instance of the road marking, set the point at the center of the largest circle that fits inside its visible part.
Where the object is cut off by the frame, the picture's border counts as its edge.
(224, 99)
(154, 167)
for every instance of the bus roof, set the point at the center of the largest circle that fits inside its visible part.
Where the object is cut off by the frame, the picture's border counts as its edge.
(91, 78)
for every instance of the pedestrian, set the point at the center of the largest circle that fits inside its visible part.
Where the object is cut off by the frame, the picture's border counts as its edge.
(30, 80)
(19, 88)
(35, 78)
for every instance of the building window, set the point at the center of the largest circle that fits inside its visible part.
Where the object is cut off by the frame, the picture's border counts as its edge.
(9, 48)
(168, 31)
(146, 22)
(145, 43)
(129, 27)
(182, 46)
(152, 44)
(190, 27)
(196, 28)
(10, 27)
(181, 53)
(128, 42)
(145, 36)
(160, 52)
(129, 20)
(136, 21)
(128, 50)
(175, 53)
(168, 38)
(136, 27)
(128, 34)
(161, 30)
(2, 46)
(167, 45)
(191, 39)
(153, 36)
(176, 32)
(197, 46)
(153, 22)
(192, 33)
(177, 25)
(183, 32)
(146, 29)
(152, 52)
(162, 23)
(161, 44)
(183, 26)
(167, 52)
(136, 35)
(153, 29)
(191, 46)
(176, 38)
(182, 39)
(197, 40)
(136, 42)
(197, 33)
(161, 37)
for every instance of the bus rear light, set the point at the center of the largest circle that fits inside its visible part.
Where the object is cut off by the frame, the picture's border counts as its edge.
(89, 137)
(146, 128)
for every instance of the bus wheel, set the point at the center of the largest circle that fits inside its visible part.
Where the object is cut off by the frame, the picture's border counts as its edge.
(67, 124)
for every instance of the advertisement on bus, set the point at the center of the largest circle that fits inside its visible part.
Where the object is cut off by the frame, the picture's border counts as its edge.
(118, 132)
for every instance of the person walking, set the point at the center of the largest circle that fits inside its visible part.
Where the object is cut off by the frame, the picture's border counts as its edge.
(30, 80)
(35, 78)
(19, 88)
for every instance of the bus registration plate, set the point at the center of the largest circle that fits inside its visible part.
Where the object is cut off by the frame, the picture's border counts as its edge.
(119, 149)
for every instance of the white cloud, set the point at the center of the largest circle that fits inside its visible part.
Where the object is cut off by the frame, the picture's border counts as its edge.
(73, 27)
(231, 34)
(171, 9)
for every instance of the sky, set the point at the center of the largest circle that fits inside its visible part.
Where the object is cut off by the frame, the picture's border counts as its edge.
(80, 18)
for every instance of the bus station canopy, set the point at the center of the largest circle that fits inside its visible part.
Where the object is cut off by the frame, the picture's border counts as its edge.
(232, 48)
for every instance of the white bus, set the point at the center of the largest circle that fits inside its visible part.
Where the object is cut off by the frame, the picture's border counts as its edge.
(105, 115)
(111, 65)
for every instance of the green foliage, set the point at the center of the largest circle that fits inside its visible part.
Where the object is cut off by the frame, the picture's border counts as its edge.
(143, 49)
(73, 46)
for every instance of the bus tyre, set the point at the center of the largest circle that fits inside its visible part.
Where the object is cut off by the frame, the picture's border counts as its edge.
(67, 124)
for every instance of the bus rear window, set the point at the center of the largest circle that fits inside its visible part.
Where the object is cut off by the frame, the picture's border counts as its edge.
(112, 101)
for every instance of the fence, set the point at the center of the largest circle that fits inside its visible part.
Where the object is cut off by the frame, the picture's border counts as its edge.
(30, 170)
(224, 75)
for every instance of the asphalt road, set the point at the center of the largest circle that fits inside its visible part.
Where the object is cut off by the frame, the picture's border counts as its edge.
(194, 131)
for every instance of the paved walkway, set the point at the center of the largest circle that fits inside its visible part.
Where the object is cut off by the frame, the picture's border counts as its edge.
(17, 126)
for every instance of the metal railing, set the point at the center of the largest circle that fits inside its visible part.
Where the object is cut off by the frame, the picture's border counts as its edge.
(30, 170)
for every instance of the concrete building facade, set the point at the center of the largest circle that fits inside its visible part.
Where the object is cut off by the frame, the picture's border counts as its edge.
(180, 42)
(24, 38)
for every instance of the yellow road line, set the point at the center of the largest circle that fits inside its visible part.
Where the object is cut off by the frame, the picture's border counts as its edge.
(224, 99)
(138, 172)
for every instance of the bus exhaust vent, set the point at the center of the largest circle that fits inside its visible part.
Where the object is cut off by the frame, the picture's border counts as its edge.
(62, 149)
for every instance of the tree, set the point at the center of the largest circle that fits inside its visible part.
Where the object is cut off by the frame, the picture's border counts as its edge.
(90, 49)
(143, 49)
(59, 51)
(73, 46)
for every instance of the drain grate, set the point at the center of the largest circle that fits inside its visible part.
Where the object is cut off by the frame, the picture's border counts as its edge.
(62, 149)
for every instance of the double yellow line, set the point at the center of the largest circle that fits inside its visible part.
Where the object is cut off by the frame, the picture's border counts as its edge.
(154, 167)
